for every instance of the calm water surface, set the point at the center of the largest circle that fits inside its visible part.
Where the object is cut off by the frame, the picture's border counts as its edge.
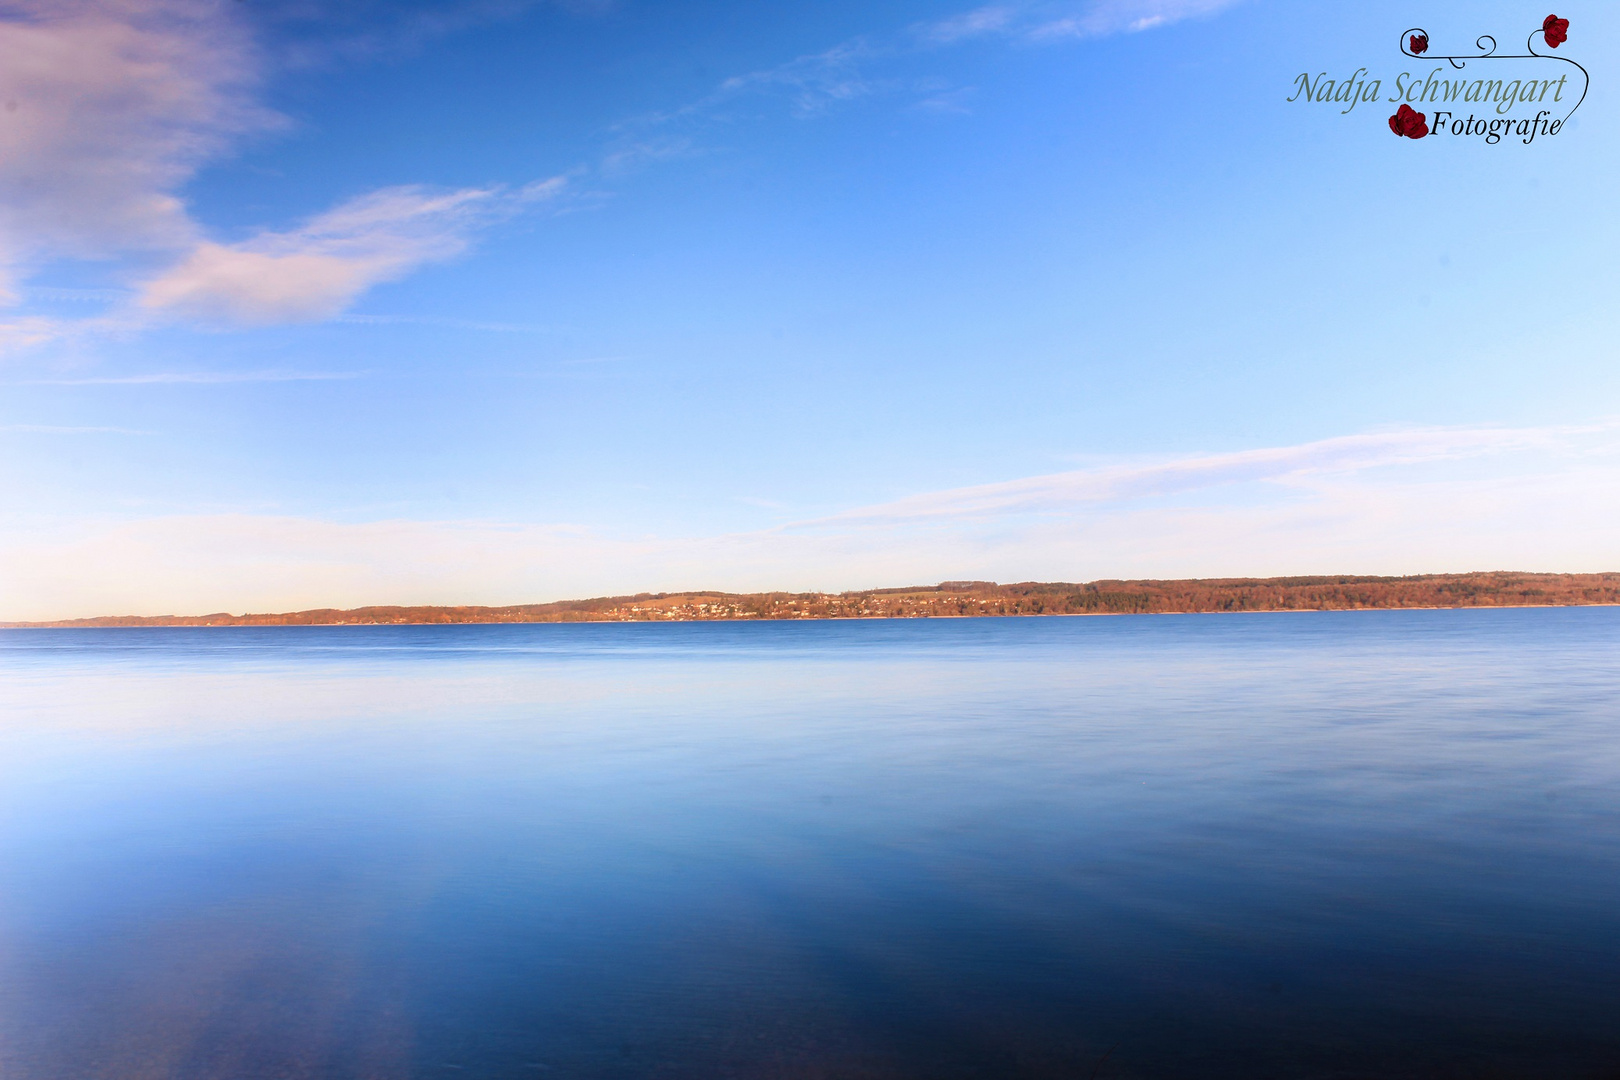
(1315, 845)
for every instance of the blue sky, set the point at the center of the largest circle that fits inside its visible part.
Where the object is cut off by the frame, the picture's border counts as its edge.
(503, 302)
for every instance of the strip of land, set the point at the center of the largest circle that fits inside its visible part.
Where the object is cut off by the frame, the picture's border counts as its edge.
(970, 598)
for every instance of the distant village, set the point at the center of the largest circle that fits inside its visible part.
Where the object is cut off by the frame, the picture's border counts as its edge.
(971, 599)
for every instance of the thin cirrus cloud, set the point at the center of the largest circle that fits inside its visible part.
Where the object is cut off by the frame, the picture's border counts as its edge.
(1124, 16)
(1382, 503)
(1050, 22)
(816, 82)
(201, 378)
(28, 331)
(1058, 492)
(315, 271)
(60, 429)
(812, 82)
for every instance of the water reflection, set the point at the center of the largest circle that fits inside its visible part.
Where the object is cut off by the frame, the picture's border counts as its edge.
(1348, 844)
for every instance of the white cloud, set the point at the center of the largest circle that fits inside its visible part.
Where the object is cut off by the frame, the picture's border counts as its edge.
(633, 155)
(1398, 502)
(1058, 491)
(969, 24)
(247, 286)
(316, 271)
(106, 107)
(1123, 16)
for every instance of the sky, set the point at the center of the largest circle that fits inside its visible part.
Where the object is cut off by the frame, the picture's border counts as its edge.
(493, 301)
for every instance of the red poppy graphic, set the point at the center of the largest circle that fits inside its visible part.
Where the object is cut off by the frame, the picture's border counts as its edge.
(1409, 122)
(1419, 43)
(1555, 30)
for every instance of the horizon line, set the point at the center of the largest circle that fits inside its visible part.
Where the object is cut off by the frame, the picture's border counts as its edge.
(1491, 588)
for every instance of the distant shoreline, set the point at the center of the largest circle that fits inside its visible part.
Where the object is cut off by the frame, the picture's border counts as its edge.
(964, 599)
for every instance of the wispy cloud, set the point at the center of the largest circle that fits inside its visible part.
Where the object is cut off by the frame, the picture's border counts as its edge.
(860, 67)
(1068, 490)
(453, 324)
(77, 296)
(317, 270)
(203, 378)
(30, 330)
(979, 22)
(812, 82)
(308, 273)
(1390, 502)
(1036, 22)
(58, 429)
(632, 155)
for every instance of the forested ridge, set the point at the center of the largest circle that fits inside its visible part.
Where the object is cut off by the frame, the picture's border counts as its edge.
(973, 598)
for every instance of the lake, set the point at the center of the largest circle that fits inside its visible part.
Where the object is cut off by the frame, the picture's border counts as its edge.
(1352, 844)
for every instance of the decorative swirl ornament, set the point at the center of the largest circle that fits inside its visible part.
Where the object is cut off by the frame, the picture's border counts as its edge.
(1554, 32)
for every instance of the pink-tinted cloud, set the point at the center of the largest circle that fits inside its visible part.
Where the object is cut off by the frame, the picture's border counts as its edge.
(317, 270)
(106, 108)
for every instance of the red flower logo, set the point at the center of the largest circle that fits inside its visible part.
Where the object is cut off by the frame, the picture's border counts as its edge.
(1419, 43)
(1555, 30)
(1409, 122)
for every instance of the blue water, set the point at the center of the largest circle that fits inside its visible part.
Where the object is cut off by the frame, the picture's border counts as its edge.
(1359, 844)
